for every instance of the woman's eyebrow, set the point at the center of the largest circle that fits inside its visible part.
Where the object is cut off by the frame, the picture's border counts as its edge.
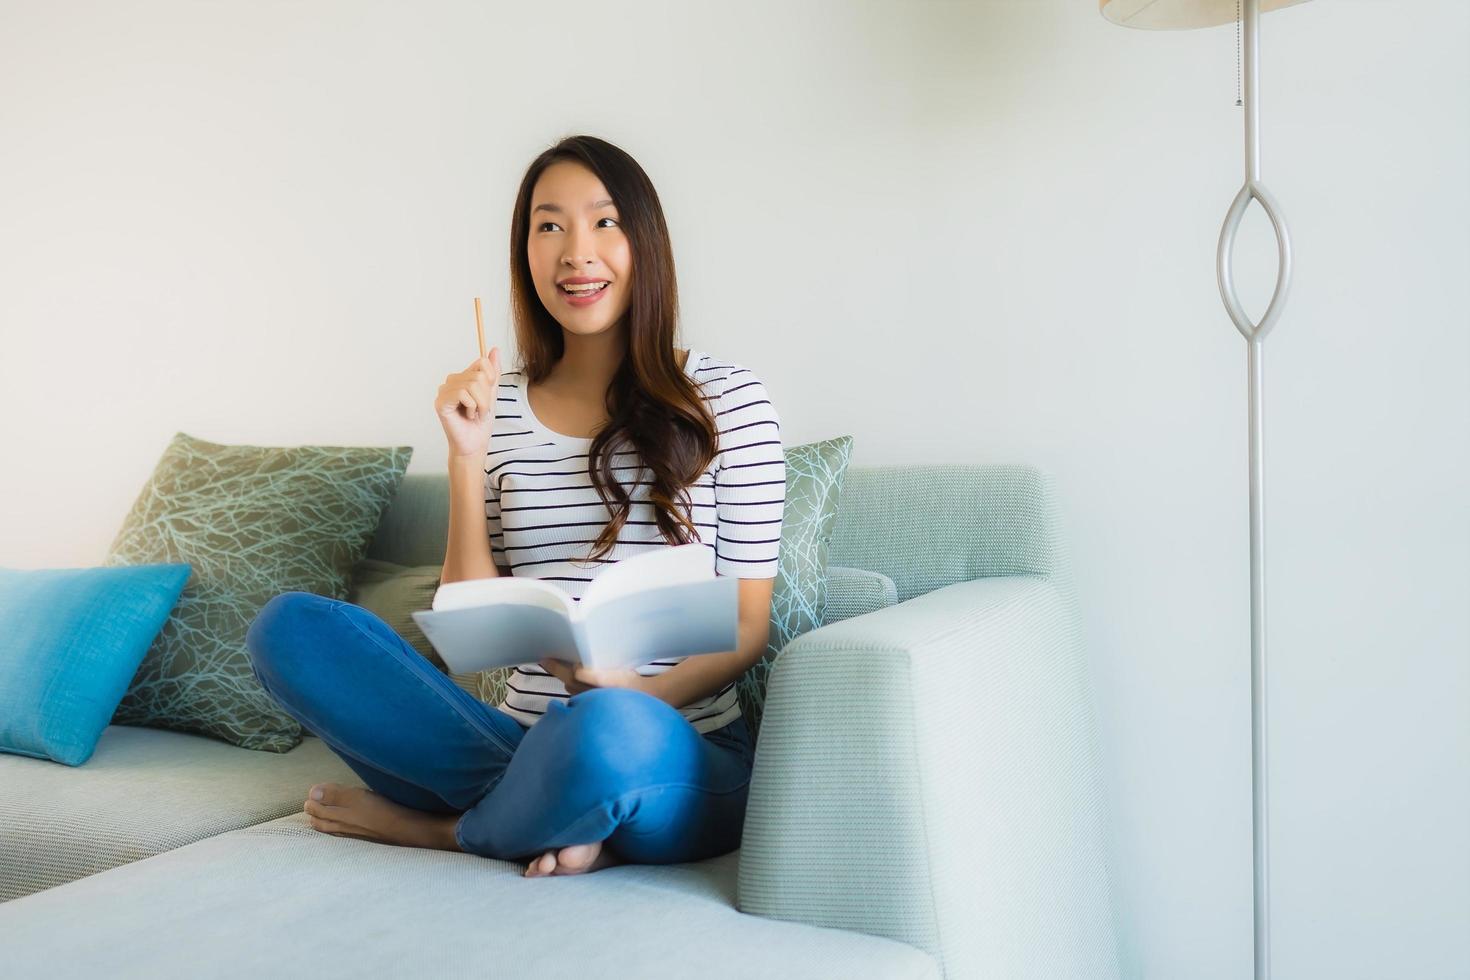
(556, 209)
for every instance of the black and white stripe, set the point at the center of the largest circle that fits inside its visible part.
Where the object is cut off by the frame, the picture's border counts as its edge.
(543, 515)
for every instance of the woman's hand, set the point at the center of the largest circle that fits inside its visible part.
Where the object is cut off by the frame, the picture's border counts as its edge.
(465, 405)
(577, 678)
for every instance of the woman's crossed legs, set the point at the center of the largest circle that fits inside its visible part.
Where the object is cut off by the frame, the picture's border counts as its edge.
(609, 775)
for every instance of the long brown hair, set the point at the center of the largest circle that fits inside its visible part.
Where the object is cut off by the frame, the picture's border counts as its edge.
(654, 408)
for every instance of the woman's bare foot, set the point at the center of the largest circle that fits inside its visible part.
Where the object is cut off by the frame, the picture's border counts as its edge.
(352, 811)
(574, 859)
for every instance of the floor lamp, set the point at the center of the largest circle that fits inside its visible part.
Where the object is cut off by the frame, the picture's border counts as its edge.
(1184, 14)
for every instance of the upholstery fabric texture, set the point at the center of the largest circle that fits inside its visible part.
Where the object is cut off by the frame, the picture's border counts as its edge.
(855, 592)
(72, 639)
(144, 791)
(250, 904)
(252, 521)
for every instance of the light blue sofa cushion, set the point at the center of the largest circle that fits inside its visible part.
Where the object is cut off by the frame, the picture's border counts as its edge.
(70, 641)
(280, 899)
(143, 792)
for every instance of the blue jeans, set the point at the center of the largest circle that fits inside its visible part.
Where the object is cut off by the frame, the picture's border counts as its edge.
(611, 764)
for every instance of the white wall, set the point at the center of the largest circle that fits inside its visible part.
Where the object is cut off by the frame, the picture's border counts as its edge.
(265, 222)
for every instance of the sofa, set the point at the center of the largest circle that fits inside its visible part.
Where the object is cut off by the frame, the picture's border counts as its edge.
(926, 801)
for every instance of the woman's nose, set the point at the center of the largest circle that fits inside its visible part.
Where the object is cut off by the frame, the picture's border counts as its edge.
(578, 247)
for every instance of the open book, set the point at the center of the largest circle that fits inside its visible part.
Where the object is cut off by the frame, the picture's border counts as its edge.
(662, 604)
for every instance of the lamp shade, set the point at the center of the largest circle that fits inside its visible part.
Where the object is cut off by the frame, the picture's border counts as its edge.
(1178, 15)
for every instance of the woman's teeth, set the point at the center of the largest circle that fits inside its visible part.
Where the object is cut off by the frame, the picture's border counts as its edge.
(585, 287)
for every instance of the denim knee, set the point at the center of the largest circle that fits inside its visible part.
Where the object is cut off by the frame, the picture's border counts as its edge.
(276, 623)
(618, 728)
(616, 706)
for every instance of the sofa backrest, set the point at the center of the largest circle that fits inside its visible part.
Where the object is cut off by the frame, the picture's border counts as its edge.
(928, 526)
(416, 526)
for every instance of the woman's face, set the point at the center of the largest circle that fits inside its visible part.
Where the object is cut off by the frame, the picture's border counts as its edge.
(575, 234)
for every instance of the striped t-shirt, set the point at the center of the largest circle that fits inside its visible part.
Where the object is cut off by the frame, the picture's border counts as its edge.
(543, 513)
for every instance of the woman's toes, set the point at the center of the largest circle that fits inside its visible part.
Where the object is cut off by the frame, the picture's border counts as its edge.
(328, 793)
(575, 858)
(337, 807)
(543, 865)
(339, 829)
(572, 860)
(331, 796)
(326, 826)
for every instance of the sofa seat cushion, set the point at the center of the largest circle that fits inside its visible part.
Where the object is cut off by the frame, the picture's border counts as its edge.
(144, 790)
(283, 899)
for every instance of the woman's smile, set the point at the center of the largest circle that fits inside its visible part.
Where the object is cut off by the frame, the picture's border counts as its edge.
(582, 292)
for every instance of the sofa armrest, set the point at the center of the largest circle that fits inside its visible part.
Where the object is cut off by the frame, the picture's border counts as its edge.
(856, 592)
(930, 773)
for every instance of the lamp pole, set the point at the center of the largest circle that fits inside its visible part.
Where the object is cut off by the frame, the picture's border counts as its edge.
(1254, 335)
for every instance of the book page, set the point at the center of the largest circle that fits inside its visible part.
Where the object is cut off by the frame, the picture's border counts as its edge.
(675, 621)
(671, 565)
(483, 591)
(501, 634)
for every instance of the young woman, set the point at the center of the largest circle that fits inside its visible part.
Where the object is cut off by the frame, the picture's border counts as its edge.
(606, 442)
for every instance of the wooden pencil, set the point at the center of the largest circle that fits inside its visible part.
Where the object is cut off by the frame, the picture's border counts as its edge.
(480, 326)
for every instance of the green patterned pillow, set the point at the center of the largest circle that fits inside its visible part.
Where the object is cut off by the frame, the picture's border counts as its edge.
(813, 485)
(253, 521)
(392, 591)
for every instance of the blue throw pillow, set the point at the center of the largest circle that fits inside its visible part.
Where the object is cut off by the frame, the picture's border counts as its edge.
(71, 640)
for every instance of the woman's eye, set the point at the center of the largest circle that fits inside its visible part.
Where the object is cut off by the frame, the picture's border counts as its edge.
(543, 225)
